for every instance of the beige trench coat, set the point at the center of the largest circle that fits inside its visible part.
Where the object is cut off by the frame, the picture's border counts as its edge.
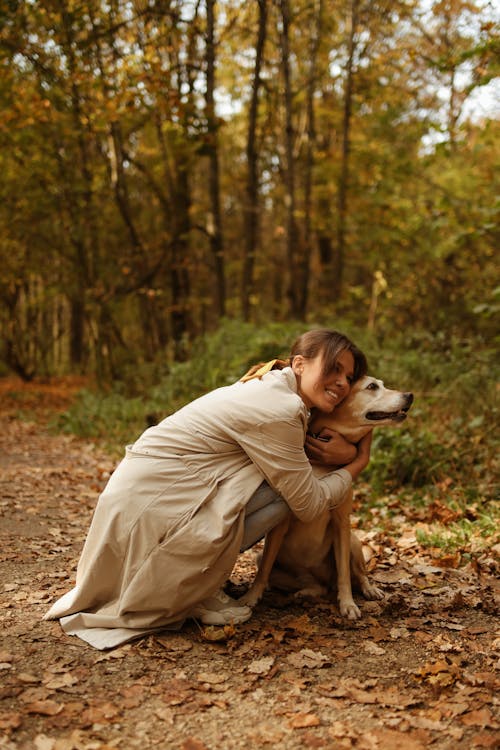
(167, 528)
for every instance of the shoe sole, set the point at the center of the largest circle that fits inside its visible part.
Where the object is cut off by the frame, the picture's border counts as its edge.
(216, 618)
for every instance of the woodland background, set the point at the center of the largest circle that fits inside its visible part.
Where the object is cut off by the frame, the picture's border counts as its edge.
(166, 165)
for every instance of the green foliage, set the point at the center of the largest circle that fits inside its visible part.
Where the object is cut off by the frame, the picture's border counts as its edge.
(108, 417)
(404, 457)
(450, 429)
(463, 534)
(215, 360)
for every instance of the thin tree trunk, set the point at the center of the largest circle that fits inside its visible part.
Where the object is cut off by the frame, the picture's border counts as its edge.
(309, 166)
(215, 222)
(343, 186)
(290, 199)
(252, 187)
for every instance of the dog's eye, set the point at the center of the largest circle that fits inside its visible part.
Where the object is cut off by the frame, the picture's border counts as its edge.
(372, 387)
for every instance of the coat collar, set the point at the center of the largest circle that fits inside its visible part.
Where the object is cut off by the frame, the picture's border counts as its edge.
(291, 380)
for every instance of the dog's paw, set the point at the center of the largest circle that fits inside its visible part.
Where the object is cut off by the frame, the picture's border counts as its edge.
(350, 610)
(372, 592)
(251, 598)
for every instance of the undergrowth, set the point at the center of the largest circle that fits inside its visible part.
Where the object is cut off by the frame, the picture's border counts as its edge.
(448, 440)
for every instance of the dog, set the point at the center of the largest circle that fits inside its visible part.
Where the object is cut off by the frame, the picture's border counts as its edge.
(305, 558)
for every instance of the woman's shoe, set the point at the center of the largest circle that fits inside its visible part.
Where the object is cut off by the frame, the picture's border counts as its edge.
(220, 609)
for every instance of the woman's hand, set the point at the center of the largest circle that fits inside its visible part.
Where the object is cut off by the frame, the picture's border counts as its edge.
(330, 449)
(363, 457)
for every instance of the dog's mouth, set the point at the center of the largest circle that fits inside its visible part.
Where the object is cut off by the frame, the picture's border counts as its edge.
(393, 416)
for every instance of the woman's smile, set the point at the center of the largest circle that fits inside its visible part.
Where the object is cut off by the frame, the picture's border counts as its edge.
(322, 391)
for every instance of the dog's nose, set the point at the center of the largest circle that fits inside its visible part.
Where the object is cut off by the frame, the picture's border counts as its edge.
(408, 399)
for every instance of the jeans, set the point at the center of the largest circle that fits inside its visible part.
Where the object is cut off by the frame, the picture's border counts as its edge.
(264, 511)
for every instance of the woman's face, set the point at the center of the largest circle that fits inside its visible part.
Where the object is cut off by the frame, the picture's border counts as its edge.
(318, 390)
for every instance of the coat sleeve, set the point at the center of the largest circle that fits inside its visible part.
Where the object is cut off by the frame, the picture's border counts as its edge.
(277, 449)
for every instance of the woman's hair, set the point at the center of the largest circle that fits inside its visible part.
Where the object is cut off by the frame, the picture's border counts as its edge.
(331, 345)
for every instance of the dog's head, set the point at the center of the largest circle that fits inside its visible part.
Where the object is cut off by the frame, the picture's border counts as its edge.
(369, 404)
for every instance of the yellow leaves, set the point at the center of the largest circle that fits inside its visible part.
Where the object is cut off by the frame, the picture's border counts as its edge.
(441, 673)
(215, 634)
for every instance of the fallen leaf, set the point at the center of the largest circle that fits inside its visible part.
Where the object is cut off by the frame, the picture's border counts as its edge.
(261, 666)
(30, 695)
(300, 720)
(302, 624)
(481, 717)
(309, 739)
(45, 708)
(174, 643)
(440, 673)
(390, 739)
(340, 729)
(103, 713)
(116, 653)
(62, 681)
(42, 742)
(308, 658)
(211, 678)
(217, 634)
(373, 649)
(485, 739)
(394, 575)
(28, 678)
(10, 720)
(166, 715)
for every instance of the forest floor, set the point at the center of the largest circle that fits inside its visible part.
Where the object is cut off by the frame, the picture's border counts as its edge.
(418, 669)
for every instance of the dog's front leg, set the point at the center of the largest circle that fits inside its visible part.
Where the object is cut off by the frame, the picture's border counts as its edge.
(271, 548)
(358, 571)
(341, 529)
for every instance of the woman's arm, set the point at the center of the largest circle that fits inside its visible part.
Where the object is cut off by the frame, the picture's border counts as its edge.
(356, 466)
(331, 449)
(277, 449)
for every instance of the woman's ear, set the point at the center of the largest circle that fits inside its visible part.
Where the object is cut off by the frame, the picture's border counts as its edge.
(298, 364)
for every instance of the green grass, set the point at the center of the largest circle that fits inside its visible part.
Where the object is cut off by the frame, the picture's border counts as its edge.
(470, 537)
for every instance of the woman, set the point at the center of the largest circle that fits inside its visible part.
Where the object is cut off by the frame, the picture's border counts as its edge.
(189, 494)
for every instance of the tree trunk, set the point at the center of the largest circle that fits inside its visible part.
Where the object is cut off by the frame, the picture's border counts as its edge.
(343, 185)
(290, 198)
(214, 223)
(303, 291)
(251, 209)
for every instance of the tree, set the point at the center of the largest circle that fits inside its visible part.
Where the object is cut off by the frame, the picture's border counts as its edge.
(214, 223)
(251, 205)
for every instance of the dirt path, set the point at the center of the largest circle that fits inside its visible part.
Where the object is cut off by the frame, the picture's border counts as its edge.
(417, 671)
